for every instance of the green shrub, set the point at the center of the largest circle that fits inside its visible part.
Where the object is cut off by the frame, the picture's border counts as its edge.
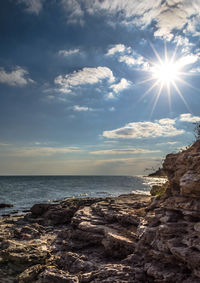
(159, 190)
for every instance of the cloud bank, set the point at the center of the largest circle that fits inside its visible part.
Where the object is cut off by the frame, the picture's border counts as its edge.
(159, 128)
(168, 16)
(123, 151)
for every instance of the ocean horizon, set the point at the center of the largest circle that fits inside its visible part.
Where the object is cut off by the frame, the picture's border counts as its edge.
(24, 191)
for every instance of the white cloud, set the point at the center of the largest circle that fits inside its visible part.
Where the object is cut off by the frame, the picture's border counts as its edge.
(123, 151)
(176, 15)
(182, 40)
(112, 109)
(188, 59)
(123, 84)
(4, 144)
(195, 70)
(75, 14)
(84, 76)
(81, 108)
(69, 52)
(167, 121)
(118, 48)
(17, 77)
(110, 95)
(172, 143)
(38, 151)
(136, 60)
(167, 15)
(138, 130)
(32, 6)
(187, 117)
(193, 25)
(159, 128)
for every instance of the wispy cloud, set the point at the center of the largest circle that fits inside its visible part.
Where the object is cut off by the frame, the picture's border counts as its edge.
(37, 151)
(118, 48)
(195, 70)
(69, 52)
(129, 56)
(123, 151)
(168, 16)
(167, 143)
(82, 108)
(138, 130)
(83, 77)
(112, 109)
(115, 166)
(135, 60)
(141, 63)
(74, 11)
(188, 60)
(123, 84)
(110, 95)
(17, 77)
(187, 117)
(32, 6)
(4, 144)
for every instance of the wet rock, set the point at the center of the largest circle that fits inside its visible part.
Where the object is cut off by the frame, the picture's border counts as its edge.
(60, 213)
(39, 209)
(4, 205)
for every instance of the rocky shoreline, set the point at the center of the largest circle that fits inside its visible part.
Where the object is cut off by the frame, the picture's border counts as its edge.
(131, 238)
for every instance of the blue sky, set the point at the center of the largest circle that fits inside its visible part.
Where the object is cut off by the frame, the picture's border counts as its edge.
(92, 87)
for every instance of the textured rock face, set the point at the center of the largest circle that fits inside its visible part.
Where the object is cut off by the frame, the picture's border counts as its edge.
(87, 244)
(183, 171)
(132, 238)
(171, 239)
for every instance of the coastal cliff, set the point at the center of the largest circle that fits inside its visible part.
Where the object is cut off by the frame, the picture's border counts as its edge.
(131, 238)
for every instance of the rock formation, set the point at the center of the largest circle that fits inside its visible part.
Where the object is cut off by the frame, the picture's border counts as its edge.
(131, 238)
(3, 205)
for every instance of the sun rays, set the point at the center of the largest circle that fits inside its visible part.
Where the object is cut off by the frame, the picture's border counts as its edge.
(166, 74)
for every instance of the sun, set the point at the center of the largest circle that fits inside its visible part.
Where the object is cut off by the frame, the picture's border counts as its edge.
(166, 72)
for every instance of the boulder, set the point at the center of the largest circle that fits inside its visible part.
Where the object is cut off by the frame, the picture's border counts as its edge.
(4, 205)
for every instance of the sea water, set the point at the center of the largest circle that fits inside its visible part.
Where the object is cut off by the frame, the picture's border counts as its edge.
(24, 191)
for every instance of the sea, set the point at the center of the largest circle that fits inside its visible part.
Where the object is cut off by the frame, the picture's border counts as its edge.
(24, 191)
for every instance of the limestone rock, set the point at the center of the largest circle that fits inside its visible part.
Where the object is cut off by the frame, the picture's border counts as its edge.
(30, 274)
(183, 171)
(53, 275)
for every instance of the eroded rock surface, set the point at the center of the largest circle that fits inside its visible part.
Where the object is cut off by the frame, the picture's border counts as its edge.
(132, 238)
(78, 240)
